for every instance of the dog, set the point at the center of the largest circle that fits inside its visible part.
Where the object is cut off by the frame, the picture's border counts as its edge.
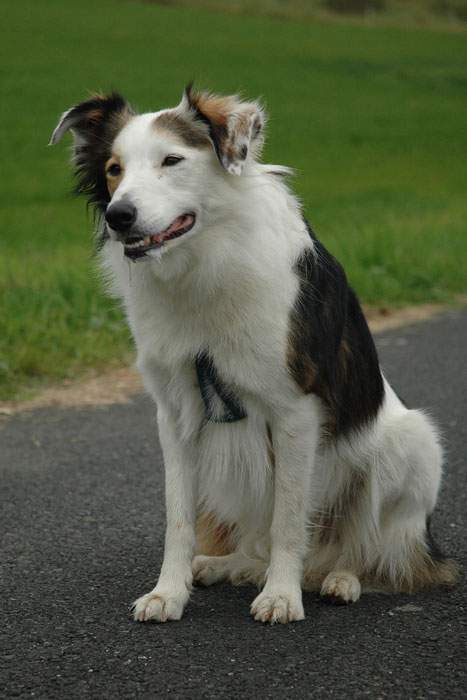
(290, 462)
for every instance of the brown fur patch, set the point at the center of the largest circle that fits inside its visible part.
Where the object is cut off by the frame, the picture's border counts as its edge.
(190, 134)
(213, 538)
(428, 572)
(113, 181)
(302, 367)
(116, 121)
(423, 573)
(216, 108)
(94, 115)
(300, 364)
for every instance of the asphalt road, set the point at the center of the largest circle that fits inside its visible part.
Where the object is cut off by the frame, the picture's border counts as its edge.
(81, 530)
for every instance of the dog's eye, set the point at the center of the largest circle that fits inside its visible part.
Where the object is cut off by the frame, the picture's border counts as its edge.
(172, 160)
(114, 170)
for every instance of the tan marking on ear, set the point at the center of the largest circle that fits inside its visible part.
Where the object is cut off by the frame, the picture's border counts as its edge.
(213, 538)
(113, 181)
(94, 115)
(216, 108)
(234, 126)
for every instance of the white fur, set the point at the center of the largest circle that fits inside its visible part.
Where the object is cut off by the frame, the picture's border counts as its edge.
(228, 287)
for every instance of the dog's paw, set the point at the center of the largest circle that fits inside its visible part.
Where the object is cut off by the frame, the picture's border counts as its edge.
(341, 587)
(278, 606)
(254, 573)
(208, 570)
(159, 606)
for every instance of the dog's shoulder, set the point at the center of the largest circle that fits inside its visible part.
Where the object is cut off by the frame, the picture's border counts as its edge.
(331, 351)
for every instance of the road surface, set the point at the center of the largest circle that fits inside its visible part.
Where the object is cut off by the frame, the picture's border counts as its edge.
(81, 530)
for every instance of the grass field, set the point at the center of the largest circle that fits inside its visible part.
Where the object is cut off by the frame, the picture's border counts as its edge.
(436, 14)
(373, 119)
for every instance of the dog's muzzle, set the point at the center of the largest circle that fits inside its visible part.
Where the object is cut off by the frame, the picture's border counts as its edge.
(121, 217)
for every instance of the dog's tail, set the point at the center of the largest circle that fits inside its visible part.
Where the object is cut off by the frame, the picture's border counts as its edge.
(433, 568)
(419, 564)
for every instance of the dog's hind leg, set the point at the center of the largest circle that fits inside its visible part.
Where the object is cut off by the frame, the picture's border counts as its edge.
(406, 474)
(341, 587)
(237, 568)
(410, 473)
(372, 531)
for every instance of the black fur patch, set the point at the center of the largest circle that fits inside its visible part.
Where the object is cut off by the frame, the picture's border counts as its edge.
(97, 123)
(331, 351)
(214, 390)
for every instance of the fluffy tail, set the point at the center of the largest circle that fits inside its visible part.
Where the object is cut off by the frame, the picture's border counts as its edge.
(418, 565)
(436, 569)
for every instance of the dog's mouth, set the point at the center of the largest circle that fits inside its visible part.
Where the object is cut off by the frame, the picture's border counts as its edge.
(136, 247)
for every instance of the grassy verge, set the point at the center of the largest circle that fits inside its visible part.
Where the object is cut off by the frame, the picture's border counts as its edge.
(435, 14)
(372, 118)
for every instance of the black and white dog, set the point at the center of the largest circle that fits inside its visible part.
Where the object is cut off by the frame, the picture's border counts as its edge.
(289, 460)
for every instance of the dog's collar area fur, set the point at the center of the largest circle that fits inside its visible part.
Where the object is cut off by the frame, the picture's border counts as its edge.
(220, 403)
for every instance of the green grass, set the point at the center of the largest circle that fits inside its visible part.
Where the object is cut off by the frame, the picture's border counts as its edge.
(374, 120)
(436, 14)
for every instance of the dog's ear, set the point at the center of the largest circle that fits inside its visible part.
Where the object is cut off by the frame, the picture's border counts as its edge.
(234, 127)
(89, 120)
(95, 125)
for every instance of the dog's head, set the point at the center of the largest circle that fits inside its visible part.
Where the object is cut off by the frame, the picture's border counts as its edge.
(153, 175)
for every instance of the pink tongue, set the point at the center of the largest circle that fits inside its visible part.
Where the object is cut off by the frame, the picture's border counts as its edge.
(179, 223)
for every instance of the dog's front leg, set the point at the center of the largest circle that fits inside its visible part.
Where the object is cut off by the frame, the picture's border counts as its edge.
(294, 438)
(168, 599)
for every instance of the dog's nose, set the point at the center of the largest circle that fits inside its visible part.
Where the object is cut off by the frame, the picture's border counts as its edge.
(121, 216)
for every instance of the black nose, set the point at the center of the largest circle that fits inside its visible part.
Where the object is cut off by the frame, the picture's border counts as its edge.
(121, 216)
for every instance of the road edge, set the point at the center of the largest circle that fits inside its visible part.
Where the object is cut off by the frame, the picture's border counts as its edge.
(119, 386)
